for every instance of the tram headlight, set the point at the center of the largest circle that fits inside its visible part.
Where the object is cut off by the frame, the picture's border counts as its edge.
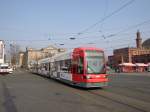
(105, 76)
(88, 77)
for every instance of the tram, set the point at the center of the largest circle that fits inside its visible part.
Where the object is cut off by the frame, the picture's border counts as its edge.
(83, 67)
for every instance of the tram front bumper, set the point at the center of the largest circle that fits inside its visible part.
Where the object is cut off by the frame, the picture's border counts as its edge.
(93, 84)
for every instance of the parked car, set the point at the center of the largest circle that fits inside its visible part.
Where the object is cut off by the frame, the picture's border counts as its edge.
(4, 68)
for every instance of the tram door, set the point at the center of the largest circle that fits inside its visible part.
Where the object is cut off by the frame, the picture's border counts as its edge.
(77, 68)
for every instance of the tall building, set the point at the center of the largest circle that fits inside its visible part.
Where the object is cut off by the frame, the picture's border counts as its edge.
(2, 51)
(139, 54)
(138, 40)
(22, 59)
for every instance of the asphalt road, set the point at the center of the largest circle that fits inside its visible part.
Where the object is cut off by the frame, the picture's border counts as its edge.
(26, 92)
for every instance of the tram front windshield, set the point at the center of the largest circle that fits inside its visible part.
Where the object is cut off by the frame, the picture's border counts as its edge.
(95, 62)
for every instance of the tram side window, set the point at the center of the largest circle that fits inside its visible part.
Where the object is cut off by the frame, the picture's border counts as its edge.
(80, 65)
(57, 66)
(68, 64)
(49, 66)
(65, 65)
(52, 66)
(45, 67)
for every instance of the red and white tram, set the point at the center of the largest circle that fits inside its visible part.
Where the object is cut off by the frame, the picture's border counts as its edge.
(84, 67)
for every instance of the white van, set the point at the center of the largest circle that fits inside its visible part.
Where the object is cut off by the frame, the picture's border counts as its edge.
(4, 68)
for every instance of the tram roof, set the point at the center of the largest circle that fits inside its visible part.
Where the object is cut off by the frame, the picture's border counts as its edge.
(45, 60)
(63, 56)
(89, 48)
(66, 55)
(57, 57)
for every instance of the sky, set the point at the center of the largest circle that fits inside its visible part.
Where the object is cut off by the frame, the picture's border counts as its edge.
(107, 24)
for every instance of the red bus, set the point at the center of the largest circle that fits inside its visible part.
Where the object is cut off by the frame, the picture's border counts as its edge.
(83, 67)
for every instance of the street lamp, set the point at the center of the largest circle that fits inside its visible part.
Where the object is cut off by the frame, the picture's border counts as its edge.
(72, 38)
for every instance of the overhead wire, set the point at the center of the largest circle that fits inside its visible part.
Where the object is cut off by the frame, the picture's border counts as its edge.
(128, 28)
(106, 17)
(112, 35)
(94, 36)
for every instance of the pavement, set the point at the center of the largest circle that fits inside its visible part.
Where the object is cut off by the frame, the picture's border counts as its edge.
(26, 92)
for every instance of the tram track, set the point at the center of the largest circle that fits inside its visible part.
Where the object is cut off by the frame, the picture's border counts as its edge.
(131, 92)
(111, 98)
(138, 105)
(140, 90)
(112, 102)
(129, 102)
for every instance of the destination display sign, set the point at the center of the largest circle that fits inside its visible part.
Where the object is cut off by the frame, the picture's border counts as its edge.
(94, 53)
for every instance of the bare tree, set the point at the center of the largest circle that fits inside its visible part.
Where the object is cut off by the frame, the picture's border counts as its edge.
(14, 53)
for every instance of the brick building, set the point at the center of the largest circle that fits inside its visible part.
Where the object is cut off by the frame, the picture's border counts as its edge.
(140, 54)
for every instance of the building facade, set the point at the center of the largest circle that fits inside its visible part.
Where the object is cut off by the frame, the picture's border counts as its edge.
(2, 51)
(31, 55)
(140, 54)
(22, 59)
